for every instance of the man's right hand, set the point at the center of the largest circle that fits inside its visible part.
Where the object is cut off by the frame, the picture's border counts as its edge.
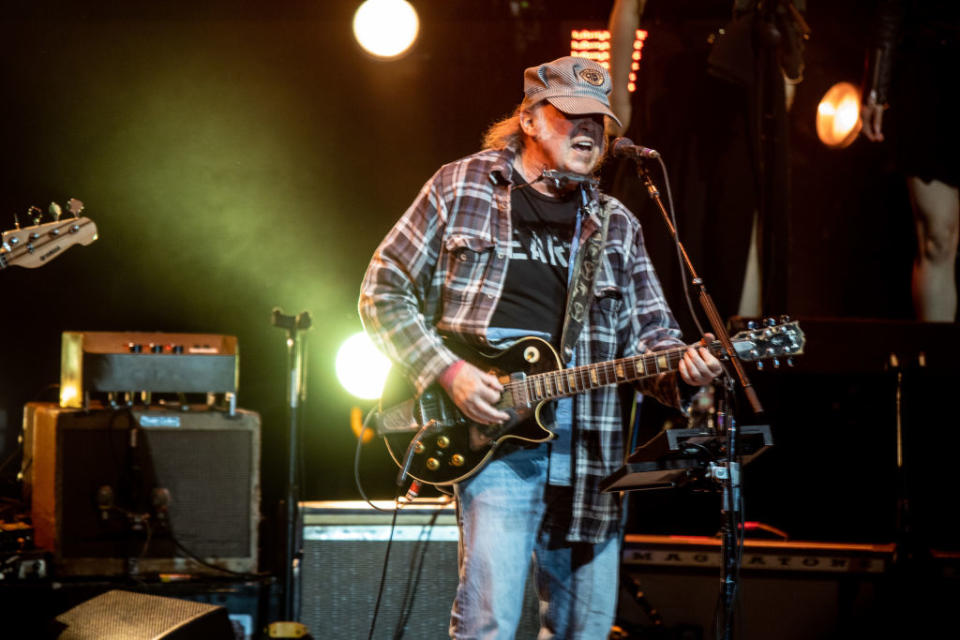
(475, 392)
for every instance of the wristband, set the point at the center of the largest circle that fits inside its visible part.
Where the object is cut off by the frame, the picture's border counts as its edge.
(446, 377)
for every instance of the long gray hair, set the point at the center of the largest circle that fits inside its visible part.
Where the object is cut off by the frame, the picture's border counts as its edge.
(506, 132)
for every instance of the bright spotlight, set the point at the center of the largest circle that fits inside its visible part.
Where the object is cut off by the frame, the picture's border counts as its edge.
(838, 116)
(361, 368)
(386, 28)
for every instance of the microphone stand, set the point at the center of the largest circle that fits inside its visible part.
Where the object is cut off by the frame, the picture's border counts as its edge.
(296, 394)
(727, 474)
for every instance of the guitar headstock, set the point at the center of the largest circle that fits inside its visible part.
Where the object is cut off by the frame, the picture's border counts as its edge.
(773, 341)
(34, 246)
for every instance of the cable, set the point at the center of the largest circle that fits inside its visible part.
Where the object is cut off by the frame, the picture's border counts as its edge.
(198, 559)
(386, 563)
(356, 464)
(413, 579)
(676, 242)
(21, 440)
(16, 451)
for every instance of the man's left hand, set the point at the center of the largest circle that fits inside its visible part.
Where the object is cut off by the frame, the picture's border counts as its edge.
(699, 366)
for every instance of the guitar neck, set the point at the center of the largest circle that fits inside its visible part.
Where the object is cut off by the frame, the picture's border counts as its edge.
(570, 382)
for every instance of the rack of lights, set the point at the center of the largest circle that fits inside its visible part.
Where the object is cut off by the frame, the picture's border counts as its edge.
(595, 45)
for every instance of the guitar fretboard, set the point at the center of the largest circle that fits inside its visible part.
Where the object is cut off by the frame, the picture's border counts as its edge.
(568, 382)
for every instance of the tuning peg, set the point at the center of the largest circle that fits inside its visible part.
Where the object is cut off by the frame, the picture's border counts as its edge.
(789, 362)
(771, 322)
(751, 324)
(35, 213)
(55, 211)
(776, 363)
(74, 206)
(784, 319)
(760, 365)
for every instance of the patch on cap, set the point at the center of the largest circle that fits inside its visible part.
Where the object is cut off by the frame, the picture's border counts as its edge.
(592, 76)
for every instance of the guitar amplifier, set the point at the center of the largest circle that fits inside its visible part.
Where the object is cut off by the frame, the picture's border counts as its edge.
(344, 545)
(788, 590)
(143, 490)
(112, 362)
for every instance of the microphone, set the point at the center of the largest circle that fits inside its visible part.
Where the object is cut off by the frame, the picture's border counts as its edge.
(624, 148)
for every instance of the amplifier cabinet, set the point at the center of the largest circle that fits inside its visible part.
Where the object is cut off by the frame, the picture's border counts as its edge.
(344, 545)
(788, 590)
(140, 490)
(132, 361)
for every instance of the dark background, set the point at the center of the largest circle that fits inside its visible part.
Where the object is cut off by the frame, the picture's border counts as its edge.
(241, 156)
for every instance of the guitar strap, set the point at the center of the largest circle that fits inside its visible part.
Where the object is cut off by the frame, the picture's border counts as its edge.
(584, 272)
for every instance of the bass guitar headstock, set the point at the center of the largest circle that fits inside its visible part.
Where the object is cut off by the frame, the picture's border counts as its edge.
(36, 245)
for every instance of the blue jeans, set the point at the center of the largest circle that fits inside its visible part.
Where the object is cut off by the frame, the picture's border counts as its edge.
(500, 511)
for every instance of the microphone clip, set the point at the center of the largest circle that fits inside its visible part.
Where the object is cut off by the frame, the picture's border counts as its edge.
(561, 179)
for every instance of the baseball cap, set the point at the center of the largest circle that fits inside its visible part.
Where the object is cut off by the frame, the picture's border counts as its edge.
(575, 86)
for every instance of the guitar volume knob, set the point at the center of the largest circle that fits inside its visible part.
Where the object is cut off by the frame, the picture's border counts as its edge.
(443, 441)
(433, 464)
(457, 460)
(419, 448)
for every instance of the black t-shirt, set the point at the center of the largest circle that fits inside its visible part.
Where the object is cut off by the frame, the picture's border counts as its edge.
(535, 292)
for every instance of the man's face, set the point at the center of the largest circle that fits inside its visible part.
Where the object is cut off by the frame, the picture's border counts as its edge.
(564, 142)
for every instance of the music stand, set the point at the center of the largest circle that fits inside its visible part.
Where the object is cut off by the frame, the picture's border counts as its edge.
(678, 457)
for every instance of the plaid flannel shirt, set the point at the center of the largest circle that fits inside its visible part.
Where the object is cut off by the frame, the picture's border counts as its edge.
(441, 270)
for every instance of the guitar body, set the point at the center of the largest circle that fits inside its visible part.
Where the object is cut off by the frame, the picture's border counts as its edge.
(445, 447)
(454, 447)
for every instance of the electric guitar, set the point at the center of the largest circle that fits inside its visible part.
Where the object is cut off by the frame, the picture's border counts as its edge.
(35, 246)
(437, 444)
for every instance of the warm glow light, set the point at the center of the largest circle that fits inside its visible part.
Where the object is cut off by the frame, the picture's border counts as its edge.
(361, 368)
(356, 425)
(386, 28)
(838, 115)
(68, 394)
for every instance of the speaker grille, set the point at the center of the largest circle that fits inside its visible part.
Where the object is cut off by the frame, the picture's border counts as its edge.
(341, 585)
(122, 615)
(208, 476)
(344, 546)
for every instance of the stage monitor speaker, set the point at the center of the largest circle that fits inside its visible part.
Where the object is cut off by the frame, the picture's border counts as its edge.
(344, 544)
(143, 490)
(124, 615)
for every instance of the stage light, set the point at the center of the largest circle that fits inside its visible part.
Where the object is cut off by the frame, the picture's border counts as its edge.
(361, 368)
(595, 45)
(838, 116)
(386, 28)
